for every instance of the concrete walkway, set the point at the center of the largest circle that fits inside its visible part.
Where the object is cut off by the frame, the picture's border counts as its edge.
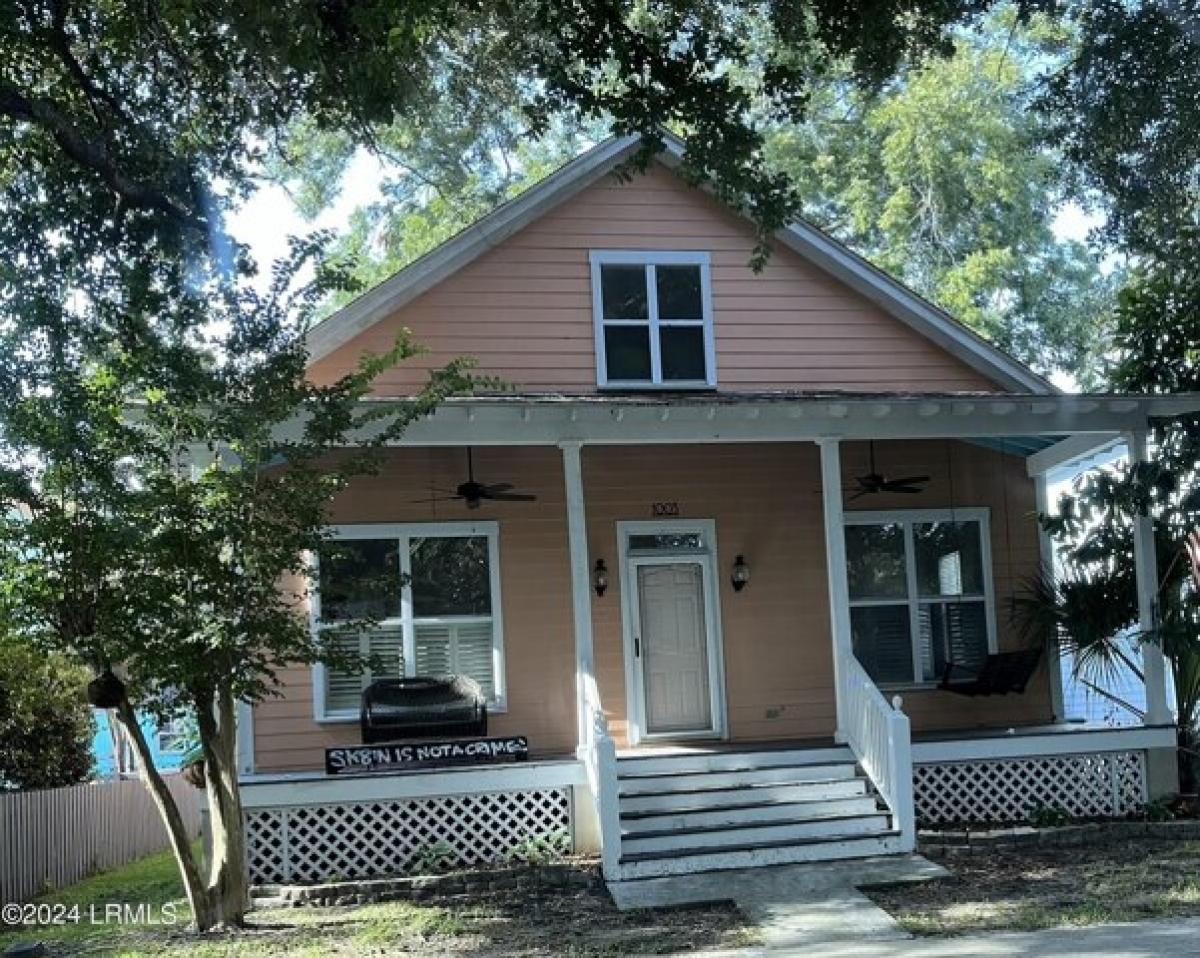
(1151, 939)
(794, 906)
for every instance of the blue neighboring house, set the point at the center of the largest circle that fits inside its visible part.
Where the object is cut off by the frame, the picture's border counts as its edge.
(1118, 698)
(168, 743)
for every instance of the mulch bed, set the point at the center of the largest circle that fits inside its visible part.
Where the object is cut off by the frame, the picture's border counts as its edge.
(1038, 887)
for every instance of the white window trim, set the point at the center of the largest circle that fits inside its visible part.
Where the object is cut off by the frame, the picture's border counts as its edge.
(909, 517)
(405, 531)
(653, 258)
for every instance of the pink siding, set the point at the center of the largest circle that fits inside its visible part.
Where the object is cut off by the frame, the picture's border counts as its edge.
(524, 308)
(766, 502)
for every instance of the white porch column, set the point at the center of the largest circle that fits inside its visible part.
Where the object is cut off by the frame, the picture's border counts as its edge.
(1154, 666)
(1053, 652)
(581, 585)
(835, 566)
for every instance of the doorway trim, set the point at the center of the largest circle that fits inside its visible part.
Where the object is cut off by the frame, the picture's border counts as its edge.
(635, 697)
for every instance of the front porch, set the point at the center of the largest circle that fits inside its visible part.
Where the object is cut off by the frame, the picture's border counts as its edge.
(665, 496)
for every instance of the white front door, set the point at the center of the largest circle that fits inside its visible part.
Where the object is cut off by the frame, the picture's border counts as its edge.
(673, 646)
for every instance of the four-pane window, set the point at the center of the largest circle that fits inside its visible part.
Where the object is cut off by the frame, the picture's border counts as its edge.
(653, 319)
(920, 592)
(415, 600)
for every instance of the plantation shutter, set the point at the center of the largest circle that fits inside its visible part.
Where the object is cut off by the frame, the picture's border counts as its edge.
(464, 648)
(388, 645)
(434, 656)
(343, 689)
(473, 654)
(881, 638)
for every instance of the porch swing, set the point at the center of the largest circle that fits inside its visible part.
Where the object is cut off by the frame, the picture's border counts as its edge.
(999, 673)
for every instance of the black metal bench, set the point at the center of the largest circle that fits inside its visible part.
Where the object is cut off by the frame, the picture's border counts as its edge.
(444, 706)
(999, 674)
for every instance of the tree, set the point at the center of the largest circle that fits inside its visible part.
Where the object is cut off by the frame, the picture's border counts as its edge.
(1126, 111)
(46, 726)
(1093, 605)
(946, 180)
(136, 112)
(159, 541)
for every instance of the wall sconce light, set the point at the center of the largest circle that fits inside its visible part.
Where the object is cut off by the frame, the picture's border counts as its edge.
(740, 575)
(600, 577)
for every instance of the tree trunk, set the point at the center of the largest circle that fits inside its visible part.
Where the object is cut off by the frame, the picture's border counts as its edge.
(228, 890)
(181, 844)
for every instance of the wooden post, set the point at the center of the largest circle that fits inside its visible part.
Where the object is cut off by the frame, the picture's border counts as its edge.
(1154, 668)
(581, 586)
(1053, 653)
(835, 567)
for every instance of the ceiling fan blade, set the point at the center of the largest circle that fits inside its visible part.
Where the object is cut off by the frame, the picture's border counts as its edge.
(859, 494)
(510, 497)
(907, 481)
(498, 487)
(911, 489)
(449, 498)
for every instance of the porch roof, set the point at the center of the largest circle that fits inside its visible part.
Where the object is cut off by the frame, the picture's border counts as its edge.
(1046, 429)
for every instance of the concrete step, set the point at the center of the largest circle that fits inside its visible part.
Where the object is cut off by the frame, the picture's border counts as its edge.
(637, 823)
(685, 842)
(751, 793)
(657, 864)
(701, 761)
(691, 781)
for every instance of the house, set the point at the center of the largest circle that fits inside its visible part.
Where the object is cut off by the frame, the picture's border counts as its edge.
(168, 741)
(769, 509)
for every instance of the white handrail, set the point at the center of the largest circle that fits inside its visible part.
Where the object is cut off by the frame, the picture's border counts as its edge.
(879, 734)
(599, 755)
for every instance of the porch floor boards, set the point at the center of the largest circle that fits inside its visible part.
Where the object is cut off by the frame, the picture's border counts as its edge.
(714, 746)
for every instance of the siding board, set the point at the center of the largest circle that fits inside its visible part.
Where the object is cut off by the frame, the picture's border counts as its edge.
(767, 506)
(524, 308)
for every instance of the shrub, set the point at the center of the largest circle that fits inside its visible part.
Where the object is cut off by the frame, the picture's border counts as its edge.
(46, 724)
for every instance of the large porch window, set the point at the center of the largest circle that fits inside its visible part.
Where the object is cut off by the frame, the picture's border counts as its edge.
(920, 586)
(417, 599)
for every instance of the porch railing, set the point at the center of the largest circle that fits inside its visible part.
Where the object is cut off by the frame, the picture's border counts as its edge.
(600, 758)
(879, 734)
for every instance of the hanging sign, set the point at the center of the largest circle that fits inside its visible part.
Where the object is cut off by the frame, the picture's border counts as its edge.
(400, 756)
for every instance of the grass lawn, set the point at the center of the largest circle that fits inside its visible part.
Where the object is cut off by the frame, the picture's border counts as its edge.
(555, 922)
(1027, 889)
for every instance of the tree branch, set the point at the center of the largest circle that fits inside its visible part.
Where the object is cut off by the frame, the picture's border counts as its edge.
(60, 43)
(93, 155)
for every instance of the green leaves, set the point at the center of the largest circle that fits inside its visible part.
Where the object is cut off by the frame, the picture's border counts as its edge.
(945, 179)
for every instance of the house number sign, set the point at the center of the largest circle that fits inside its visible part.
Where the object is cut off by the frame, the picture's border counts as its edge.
(659, 509)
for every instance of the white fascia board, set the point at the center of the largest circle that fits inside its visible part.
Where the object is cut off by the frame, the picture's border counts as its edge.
(402, 288)
(1020, 744)
(1071, 449)
(316, 788)
(514, 423)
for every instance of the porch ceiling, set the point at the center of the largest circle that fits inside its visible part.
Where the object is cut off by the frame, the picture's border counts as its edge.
(1029, 425)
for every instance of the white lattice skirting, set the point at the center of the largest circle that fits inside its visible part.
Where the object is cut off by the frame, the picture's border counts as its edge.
(374, 839)
(1093, 785)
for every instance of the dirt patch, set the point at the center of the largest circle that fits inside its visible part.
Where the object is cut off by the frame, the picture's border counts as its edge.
(1030, 888)
(509, 923)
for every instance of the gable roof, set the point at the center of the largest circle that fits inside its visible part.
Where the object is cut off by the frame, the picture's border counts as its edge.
(808, 241)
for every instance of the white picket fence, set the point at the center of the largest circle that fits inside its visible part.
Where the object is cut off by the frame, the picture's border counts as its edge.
(56, 836)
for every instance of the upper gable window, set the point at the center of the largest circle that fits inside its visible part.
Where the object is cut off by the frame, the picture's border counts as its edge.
(653, 314)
